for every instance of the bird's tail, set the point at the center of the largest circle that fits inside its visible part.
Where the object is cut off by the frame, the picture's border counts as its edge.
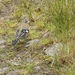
(14, 42)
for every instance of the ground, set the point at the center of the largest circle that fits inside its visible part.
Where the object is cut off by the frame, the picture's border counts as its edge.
(49, 48)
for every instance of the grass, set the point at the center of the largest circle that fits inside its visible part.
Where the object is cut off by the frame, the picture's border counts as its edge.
(58, 19)
(61, 13)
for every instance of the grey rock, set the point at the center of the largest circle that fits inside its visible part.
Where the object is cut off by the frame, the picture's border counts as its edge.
(3, 70)
(47, 34)
(2, 41)
(29, 59)
(29, 43)
(2, 46)
(54, 49)
(13, 73)
(37, 68)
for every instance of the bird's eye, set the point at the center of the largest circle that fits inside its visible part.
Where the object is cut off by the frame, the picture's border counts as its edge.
(25, 21)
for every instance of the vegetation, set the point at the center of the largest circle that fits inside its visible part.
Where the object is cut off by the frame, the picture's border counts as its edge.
(53, 16)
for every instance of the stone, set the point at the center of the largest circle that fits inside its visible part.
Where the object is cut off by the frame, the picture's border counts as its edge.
(54, 49)
(13, 73)
(2, 46)
(29, 59)
(47, 34)
(2, 41)
(37, 68)
(3, 70)
(29, 43)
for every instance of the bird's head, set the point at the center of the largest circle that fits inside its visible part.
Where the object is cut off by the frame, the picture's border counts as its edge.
(25, 20)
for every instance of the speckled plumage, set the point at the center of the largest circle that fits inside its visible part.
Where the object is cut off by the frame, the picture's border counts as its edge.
(22, 31)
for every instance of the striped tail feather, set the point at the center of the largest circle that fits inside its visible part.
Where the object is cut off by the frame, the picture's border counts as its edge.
(14, 42)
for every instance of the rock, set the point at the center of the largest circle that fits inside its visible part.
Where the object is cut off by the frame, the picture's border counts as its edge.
(3, 70)
(2, 41)
(47, 34)
(13, 73)
(51, 51)
(29, 59)
(2, 46)
(37, 68)
(42, 70)
(29, 43)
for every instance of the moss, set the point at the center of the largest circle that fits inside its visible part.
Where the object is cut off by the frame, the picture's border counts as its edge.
(40, 25)
(45, 41)
(34, 34)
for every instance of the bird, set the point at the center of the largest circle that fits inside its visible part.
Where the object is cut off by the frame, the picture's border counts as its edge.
(22, 31)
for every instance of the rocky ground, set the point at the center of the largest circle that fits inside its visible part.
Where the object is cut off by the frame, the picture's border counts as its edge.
(39, 54)
(25, 58)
